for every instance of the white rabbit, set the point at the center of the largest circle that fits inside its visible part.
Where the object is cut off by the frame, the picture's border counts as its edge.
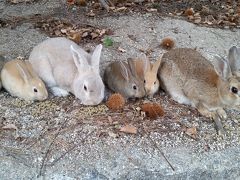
(65, 67)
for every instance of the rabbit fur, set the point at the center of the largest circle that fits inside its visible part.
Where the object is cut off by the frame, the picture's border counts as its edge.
(121, 77)
(19, 79)
(191, 79)
(65, 67)
(2, 62)
(147, 71)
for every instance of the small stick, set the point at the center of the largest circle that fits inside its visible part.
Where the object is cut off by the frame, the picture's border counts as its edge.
(163, 155)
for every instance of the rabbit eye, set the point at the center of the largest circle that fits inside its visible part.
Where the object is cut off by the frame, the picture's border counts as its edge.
(234, 90)
(144, 81)
(155, 82)
(85, 88)
(134, 87)
(35, 90)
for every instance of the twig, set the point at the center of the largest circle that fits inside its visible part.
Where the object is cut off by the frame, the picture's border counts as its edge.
(69, 150)
(155, 145)
(48, 150)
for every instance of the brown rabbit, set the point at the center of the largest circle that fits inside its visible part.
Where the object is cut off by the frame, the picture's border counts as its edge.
(121, 77)
(191, 79)
(148, 73)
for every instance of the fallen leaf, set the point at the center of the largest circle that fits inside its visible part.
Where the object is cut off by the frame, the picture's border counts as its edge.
(64, 31)
(110, 119)
(91, 14)
(76, 37)
(112, 134)
(192, 132)
(85, 34)
(152, 10)
(129, 129)
(121, 50)
(94, 35)
(57, 32)
(120, 9)
(10, 127)
(70, 2)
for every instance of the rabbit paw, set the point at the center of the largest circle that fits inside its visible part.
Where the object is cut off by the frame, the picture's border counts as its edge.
(222, 114)
(207, 113)
(59, 92)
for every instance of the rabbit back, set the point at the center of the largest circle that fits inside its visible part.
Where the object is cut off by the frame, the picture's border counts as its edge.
(52, 60)
(184, 69)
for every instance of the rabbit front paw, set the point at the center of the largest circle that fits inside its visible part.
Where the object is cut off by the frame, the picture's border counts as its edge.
(222, 114)
(59, 92)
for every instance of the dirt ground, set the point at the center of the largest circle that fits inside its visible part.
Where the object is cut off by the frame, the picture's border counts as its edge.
(61, 139)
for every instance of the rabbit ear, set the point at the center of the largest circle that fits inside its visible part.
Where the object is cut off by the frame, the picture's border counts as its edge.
(132, 67)
(146, 64)
(124, 71)
(24, 74)
(234, 58)
(79, 60)
(95, 59)
(156, 65)
(222, 67)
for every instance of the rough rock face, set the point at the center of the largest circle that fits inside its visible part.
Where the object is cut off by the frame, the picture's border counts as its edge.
(61, 139)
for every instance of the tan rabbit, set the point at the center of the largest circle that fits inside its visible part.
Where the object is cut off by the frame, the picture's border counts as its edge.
(19, 79)
(191, 79)
(148, 73)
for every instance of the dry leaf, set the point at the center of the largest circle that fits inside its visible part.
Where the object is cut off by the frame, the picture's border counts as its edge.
(76, 37)
(10, 127)
(120, 9)
(152, 10)
(121, 50)
(110, 119)
(129, 129)
(57, 32)
(91, 14)
(94, 35)
(64, 31)
(85, 34)
(192, 132)
(112, 134)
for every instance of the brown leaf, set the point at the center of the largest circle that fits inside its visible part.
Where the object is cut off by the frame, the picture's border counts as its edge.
(76, 37)
(129, 129)
(192, 132)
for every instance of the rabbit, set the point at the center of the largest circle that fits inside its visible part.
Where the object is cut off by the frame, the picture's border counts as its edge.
(121, 77)
(2, 62)
(148, 73)
(19, 79)
(67, 68)
(191, 79)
